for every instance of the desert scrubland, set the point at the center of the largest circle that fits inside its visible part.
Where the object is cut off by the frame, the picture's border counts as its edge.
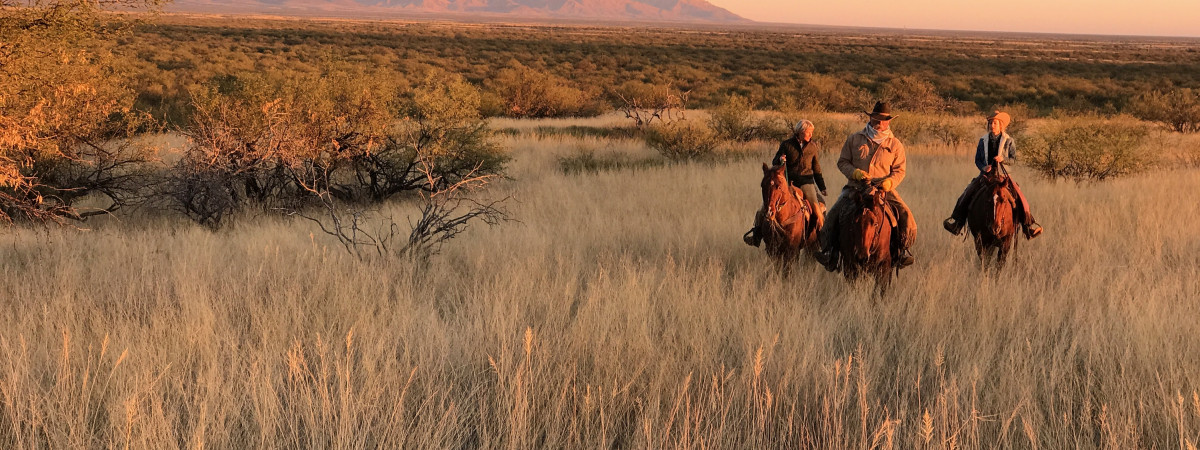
(158, 288)
(621, 310)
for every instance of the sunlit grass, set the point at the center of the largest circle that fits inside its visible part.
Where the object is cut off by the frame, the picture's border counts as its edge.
(621, 310)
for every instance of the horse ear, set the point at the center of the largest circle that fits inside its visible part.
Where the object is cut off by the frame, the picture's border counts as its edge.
(766, 168)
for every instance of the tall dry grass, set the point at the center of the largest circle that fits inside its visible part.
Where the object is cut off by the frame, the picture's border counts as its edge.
(621, 311)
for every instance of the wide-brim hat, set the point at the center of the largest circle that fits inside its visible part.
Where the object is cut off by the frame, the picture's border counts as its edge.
(882, 111)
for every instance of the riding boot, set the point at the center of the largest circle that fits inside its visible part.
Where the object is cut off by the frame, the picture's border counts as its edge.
(1031, 227)
(953, 225)
(752, 238)
(1032, 230)
(828, 255)
(904, 258)
(958, 218)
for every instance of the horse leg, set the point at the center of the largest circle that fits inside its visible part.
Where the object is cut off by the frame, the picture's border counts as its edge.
(979, 250)
(1002, 256)
(883, 278)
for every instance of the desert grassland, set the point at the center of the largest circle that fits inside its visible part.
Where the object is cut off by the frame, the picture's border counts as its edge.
(622, 310)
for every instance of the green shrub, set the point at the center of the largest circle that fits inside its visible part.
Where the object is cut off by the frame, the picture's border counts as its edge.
(281, 144)
(527, 92)
(683, 140)
(917, 129)
(735, 120)
(828, 93)
(1178, 109)
(1088, 149)
(911, 93)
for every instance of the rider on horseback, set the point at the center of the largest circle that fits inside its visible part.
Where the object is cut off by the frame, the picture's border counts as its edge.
(800, 154)
(989, 151)
(873, 155)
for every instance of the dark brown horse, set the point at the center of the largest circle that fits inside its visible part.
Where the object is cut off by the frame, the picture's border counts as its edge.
(866, 237)
(789, 225)
(991, 218)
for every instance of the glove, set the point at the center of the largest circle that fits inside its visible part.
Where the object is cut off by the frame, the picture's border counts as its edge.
(858, 175)
(887, 185)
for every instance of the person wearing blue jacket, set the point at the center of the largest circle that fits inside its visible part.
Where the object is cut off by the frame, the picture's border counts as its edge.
(991, 151)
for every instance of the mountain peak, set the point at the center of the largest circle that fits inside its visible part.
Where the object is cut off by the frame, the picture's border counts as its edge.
(638, 10)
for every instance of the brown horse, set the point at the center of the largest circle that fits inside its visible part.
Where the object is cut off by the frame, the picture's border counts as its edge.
(991, 218)
(866, 238)
(789, 225)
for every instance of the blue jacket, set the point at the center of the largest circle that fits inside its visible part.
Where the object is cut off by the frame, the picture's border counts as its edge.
(981, 153)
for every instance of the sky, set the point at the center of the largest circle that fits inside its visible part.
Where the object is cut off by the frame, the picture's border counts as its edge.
(1109, 17)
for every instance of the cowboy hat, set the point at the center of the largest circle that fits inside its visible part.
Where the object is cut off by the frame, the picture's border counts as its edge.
(882, 111)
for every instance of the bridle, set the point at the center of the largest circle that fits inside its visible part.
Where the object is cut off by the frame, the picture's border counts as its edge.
(873, 210)
(777, 201)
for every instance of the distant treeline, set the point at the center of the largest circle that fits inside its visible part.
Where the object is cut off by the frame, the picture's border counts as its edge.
(581, 70)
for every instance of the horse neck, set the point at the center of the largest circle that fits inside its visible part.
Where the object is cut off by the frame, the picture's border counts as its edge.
(789, 204)
(876, 209)
(1002, 199)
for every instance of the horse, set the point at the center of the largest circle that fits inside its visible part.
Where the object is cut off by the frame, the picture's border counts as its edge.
(990, 218)
(789, 225)
(866, 236)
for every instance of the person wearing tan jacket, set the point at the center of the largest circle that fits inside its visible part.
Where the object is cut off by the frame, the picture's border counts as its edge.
(876, 155)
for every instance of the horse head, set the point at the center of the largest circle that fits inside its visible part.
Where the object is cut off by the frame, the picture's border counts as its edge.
(1002, 204)
(775, 188)
(870, 220)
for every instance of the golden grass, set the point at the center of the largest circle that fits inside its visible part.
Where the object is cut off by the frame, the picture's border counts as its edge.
(621, 311)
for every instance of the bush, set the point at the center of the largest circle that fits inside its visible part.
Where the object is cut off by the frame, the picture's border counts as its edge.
(646, 103)
(280, 145)
(827, 93)
(527, 92)
(912, 93)
(915, 129)
(683, 141)
(1178, 109)
(735, 121)
(1088, 149)
(67, 123)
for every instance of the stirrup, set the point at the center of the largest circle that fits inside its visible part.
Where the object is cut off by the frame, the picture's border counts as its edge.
(905, 259)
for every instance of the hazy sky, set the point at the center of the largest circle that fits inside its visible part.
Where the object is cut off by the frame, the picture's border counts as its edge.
(1134, 17)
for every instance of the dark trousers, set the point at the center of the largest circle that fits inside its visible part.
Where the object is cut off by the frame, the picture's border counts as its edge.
(903, 236)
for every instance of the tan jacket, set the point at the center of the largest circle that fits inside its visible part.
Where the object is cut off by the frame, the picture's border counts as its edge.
(879, 161)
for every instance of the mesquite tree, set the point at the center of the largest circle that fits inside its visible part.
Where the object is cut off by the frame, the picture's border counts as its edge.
(66, 117)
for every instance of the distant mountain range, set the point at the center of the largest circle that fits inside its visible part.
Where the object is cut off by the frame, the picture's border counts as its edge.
(575, 10)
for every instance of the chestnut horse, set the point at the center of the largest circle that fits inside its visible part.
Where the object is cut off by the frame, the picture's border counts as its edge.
(866, 237)
(789, 225)
(991, 218)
